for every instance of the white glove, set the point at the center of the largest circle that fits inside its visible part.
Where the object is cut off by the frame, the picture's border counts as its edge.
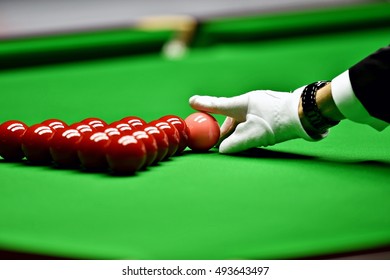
(254, 119)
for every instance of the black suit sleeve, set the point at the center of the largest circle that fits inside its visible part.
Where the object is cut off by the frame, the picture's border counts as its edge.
(370, 80)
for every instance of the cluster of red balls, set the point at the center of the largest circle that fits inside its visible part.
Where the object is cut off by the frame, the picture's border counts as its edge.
(122, 147)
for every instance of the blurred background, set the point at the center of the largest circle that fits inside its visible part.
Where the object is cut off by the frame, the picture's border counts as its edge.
(26, 17)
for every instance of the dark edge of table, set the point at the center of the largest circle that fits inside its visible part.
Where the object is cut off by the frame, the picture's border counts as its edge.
(378, 253)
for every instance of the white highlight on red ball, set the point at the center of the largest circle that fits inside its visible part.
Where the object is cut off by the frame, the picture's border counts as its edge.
(43, 129)
(200, 119)
(57, 125)
(71, 133)
(99, 136)
(111, 131)
(15, 126)
(140, 135)
(126, 140)
(84, 128)
(162, 125)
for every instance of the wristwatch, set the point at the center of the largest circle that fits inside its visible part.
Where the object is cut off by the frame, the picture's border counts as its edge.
(312, 113)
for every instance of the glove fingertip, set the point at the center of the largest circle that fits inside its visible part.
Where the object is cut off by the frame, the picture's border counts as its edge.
(225, 147)
(193, 98)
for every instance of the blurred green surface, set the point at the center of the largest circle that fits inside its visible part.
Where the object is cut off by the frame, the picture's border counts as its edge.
(293, 200)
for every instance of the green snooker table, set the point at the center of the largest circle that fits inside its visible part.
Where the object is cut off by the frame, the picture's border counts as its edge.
(295, 200)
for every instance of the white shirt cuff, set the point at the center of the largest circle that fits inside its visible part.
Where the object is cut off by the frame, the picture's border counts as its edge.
(349, 105)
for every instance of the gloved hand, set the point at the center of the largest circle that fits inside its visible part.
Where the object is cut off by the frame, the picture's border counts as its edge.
(254, 119)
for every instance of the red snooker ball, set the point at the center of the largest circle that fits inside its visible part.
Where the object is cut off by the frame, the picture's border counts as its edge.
(92, 151)
(161, 140)
(150, 146)
(125, 155)
(172, 134)
(63, 147)
(134, 122)
(203, 130)
(181, 127)
(36, 144)
(11, 133)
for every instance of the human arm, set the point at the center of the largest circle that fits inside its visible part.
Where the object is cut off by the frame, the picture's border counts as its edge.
(263, 118)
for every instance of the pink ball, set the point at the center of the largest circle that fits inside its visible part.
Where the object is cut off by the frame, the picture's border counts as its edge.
(204, 131)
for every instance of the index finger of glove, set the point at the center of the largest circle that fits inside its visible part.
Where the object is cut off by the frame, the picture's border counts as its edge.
(234, 107)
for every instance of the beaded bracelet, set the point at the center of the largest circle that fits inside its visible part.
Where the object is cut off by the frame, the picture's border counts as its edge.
(311, 110)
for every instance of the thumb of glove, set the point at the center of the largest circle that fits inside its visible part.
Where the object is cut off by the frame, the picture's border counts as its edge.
(255, 131)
